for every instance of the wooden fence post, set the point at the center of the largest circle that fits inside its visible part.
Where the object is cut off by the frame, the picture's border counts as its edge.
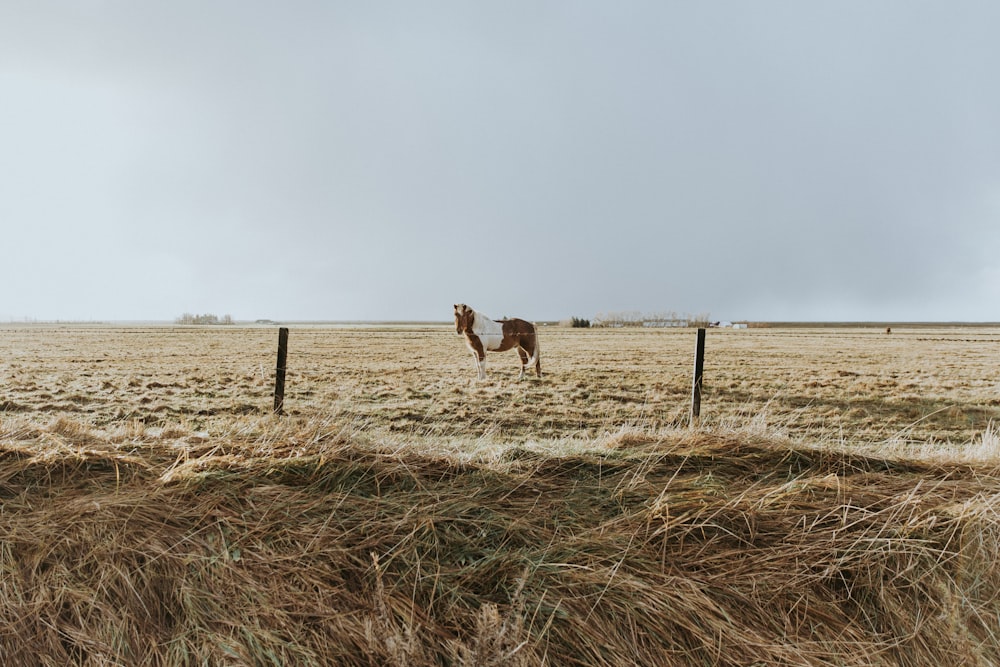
(279, 375)
(699, 369)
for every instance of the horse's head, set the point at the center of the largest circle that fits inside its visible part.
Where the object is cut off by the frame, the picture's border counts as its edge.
(464, 317)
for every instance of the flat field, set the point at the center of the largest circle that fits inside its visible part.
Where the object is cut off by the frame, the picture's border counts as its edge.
(835, 506)
(827, 385)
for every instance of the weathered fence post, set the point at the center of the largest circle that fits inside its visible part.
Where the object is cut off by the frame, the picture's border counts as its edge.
(279, 375)
(699, 368)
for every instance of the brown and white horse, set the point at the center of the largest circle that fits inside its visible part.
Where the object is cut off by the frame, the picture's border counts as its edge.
(483, 334)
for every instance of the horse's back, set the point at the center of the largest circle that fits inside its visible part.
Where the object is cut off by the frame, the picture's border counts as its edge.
(517, 327)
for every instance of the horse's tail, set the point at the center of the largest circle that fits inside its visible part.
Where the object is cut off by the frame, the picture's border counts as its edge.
(536, 353)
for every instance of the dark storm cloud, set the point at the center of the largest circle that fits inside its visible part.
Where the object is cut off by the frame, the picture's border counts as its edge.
(377, 160)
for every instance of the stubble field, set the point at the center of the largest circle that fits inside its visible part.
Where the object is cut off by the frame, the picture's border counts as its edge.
(835, 505)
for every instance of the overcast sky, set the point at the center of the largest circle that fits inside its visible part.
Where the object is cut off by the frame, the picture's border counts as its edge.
(385, 160)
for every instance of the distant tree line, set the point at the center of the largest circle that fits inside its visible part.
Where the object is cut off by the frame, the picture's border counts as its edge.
(634, 318)
(576, 323)
(188, 318)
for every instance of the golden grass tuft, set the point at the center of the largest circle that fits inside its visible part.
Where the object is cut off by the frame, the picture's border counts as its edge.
(304, 542)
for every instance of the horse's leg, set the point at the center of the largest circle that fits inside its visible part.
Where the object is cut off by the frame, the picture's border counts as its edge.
(478, 353)
(524, 361)
(475, 360)
(480, 359)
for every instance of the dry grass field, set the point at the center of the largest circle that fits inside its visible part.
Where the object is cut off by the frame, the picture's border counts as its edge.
(856, 386)
(836, 505)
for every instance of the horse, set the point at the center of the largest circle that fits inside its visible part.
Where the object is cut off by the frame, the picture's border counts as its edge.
(483, 334)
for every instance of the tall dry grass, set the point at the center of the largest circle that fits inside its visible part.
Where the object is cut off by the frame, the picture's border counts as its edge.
(302, 542)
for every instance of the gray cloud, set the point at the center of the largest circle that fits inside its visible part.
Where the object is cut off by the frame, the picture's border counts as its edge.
(385, 160)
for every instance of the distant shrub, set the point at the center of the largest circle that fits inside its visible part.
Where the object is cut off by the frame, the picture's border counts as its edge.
(699, 320)
(576, 323)
(188, 318)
